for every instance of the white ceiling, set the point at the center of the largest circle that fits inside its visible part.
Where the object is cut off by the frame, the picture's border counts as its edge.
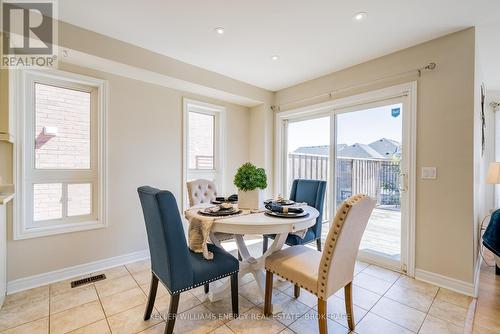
(312, 37)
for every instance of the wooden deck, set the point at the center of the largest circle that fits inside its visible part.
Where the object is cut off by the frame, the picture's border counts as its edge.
(383, 233)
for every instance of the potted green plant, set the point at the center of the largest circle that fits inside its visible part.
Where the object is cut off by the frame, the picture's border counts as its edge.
(250, 182)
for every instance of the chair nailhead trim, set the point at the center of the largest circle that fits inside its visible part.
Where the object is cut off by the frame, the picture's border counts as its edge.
(331, 240)
(289, 280)
(196, 285)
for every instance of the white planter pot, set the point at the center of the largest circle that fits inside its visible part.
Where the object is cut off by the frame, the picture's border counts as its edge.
(251, 200)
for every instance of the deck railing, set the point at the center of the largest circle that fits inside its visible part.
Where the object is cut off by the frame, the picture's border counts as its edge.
(376, 178)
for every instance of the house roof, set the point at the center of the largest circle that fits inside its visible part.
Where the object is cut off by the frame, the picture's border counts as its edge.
(383, 148)
(386, 147)
(317, 150)
(360, 151)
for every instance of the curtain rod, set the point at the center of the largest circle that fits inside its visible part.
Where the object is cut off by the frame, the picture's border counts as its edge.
(429, 67)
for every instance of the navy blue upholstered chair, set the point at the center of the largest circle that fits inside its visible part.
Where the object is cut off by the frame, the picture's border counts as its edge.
(172, 262)
(311, 192)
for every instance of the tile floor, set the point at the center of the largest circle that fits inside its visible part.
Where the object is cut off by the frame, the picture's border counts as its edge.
(385, 302)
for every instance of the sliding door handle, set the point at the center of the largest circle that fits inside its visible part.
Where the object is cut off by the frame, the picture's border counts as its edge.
(403, 182)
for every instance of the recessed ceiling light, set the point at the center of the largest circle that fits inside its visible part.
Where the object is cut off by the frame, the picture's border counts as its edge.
(219, 30)
(361, 16)
(275, 57)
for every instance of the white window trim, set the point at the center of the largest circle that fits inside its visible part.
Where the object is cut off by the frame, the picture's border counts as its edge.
(220, 142)
(17, 95)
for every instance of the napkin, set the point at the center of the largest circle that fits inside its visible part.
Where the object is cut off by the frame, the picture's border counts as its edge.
(283, 209)
(232, 198)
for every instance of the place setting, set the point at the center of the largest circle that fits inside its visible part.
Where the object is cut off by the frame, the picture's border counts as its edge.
(220, 210)
(283, 208)
(233, 199)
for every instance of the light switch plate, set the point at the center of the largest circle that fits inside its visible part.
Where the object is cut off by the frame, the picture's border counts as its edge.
(429, 173)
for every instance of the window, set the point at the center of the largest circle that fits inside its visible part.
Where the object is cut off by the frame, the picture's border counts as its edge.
(60, 155)
(203, 143)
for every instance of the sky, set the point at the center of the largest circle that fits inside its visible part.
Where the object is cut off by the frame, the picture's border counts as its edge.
(364, 126)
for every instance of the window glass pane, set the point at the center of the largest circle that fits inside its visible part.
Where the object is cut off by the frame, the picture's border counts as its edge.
(62, 128)
(47, 201)
(309, 153)
(201, 141)
(79, 199)
(368, 162)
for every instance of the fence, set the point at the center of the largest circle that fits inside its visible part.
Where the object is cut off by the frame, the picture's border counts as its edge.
(204, 162)
(376, 178)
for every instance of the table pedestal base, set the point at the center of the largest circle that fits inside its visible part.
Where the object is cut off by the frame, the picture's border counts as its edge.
(249, 265)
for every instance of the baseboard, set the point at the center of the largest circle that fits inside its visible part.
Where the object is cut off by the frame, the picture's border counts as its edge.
(34, 281)
(446, 282)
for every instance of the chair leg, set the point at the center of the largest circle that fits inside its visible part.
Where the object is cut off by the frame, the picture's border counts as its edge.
(268, 298)
(239, 256)
(264, 244)
(207, 287)
(172, 313)
(318, 244)
(152, 296)
(234, 295)
(296, 291)
(323, 329)
(348, 305)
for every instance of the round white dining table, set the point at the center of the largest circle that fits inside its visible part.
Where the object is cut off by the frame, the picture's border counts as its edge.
(256, 223)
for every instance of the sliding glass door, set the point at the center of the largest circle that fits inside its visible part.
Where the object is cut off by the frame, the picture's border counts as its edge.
(370, 159)
(363, 148)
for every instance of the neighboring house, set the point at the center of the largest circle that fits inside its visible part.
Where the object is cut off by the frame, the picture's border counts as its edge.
(322, 150)
(359, 151)
(387, 147)
(382, 149)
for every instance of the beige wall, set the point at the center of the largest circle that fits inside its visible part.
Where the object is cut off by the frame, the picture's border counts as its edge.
(445, 131)
(144, 148)
(6, 162)
(5, 147)
(262, 141)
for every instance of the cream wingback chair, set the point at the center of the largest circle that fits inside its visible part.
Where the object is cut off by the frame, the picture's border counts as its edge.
(201, 191)
(205, 191)
(324, 273)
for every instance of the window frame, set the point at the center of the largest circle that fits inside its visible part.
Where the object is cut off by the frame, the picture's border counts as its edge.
(219, 163)
(23, 98)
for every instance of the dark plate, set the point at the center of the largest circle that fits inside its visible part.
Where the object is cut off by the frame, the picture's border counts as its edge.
(219, 213)
(285, 202)
(287, 215)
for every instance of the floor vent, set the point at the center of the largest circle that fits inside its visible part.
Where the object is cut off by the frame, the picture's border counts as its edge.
(88, 280)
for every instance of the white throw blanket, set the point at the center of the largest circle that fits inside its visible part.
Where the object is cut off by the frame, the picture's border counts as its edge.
(199, 230)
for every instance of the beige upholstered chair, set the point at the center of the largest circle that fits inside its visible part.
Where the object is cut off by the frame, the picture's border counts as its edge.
(201, 191)
(324, 273)
(205, 191)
